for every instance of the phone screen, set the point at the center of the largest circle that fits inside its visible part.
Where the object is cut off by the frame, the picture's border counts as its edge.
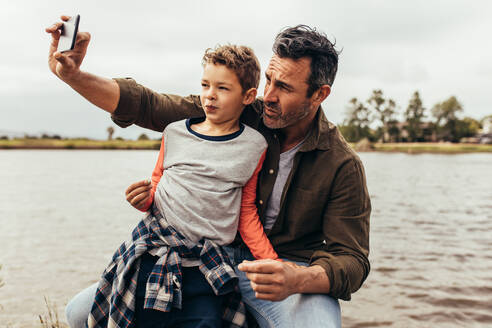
(68, 34)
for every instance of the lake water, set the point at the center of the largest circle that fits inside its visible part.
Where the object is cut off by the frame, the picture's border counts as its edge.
(63, 213)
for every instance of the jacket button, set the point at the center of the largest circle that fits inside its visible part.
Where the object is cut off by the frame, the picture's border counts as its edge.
(271, 171)
(261, 202)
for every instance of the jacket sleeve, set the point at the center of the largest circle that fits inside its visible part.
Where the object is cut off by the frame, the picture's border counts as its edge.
(156, 176)
(250, 227)
(346, 217)
(148, 109)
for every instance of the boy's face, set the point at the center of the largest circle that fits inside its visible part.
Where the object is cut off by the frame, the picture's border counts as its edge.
(222, 96)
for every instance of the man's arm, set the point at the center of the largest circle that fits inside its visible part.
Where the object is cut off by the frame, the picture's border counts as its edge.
(341, 266)
(146, 108)
(128, 102)
(346, 228)
(275, 281)
(100, 91)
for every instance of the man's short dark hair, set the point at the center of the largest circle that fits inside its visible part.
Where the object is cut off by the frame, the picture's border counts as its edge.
(303, 41)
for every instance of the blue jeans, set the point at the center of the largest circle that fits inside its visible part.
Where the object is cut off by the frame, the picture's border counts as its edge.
(298, 310)
(201, 307)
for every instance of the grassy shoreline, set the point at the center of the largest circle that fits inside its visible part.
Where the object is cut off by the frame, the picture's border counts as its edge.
(429, 147)
(410, 148)
(78, 144)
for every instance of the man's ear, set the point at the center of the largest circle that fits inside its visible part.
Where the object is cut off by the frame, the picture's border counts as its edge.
(320, 95)
(249, 96)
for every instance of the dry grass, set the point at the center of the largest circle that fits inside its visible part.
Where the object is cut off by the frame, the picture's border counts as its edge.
(51, 319)
(1, 284)
(1, 280)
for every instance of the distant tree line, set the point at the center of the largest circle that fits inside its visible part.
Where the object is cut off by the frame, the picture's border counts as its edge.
(375, 120)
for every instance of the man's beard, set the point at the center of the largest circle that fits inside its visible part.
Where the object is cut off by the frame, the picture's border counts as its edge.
(280, 120)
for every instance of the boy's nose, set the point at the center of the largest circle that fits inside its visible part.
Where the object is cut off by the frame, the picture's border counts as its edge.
(211, 94)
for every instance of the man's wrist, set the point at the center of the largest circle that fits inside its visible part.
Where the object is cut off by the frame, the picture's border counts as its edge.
(74, 78)
(311, 280)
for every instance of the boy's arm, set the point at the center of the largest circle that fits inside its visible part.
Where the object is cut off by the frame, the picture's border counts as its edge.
(250, 227)
(133, 195)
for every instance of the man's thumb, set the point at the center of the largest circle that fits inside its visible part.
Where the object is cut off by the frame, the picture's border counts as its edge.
(61, 58)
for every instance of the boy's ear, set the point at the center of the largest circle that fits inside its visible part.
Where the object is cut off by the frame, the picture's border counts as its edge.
(249, 96)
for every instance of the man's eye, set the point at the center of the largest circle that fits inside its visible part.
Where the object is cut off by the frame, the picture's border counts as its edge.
(223, 88)
(204, 85)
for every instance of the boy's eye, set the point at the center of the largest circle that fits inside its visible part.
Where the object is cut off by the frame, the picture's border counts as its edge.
(204, 85)
(223, 88)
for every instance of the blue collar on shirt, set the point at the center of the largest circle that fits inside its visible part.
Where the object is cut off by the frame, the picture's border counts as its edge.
(226, 137)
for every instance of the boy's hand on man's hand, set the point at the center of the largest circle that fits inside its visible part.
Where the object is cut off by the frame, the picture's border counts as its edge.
(66, 65)
(138, 194)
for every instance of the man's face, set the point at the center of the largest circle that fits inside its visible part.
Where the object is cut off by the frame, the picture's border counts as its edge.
(222, 95)
(285, 94)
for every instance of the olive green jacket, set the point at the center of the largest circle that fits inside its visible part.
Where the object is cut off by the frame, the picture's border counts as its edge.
(325, 205)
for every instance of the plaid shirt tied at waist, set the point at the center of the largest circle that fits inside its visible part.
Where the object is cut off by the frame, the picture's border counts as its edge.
(114, 303)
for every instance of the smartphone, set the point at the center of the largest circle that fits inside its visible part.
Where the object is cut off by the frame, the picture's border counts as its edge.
(69, 34)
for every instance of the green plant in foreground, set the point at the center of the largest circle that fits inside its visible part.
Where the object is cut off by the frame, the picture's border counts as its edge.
(51, 320)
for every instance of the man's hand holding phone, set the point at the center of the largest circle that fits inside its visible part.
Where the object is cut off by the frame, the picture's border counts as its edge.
(101, 91)
(65, 61)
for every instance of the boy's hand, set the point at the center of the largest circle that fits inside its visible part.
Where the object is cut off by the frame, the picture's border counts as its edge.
(138, 193)
(66, 65)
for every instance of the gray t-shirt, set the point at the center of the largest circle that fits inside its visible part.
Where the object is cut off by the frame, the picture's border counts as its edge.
(201, 188)
(284, 167)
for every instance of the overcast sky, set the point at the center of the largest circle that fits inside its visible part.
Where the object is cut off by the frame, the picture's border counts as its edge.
(440, 48)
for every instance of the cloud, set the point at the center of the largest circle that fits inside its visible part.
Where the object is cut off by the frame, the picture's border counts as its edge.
(440, 48)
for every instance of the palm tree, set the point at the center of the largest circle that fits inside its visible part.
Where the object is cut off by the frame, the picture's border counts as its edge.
(110, 131)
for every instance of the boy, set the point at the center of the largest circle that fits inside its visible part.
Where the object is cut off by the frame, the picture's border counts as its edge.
(173, 272)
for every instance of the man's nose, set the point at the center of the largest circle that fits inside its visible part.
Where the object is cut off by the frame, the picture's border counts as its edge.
(269, 95)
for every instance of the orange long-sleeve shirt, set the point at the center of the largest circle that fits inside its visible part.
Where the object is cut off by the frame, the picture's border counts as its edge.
(249, 227)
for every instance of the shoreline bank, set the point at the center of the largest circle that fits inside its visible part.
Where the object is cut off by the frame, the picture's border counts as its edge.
(82, 144)
(85, 144)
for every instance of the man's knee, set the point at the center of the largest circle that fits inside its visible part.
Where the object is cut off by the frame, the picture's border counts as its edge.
(75, 319)
(78, 308)
(298, 310)
(315, 310)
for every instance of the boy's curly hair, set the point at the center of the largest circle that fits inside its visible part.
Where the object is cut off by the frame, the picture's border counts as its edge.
(241, 59)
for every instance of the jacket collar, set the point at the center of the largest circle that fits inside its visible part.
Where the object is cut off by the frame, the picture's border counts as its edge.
(320, 134)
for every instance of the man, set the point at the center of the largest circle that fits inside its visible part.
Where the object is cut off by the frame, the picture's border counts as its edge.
(312, 196)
